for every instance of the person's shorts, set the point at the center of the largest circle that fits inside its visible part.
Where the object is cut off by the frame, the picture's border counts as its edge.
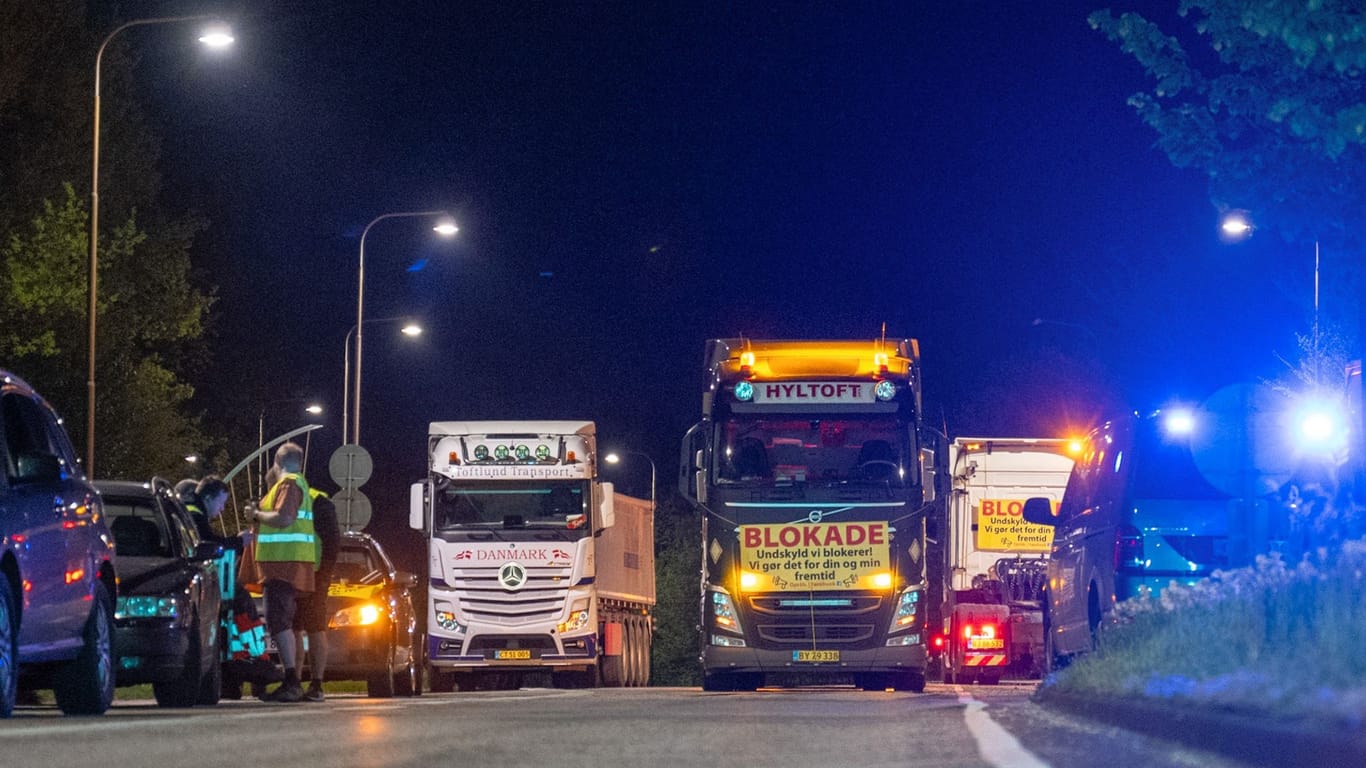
(281, 605)
(312, 614)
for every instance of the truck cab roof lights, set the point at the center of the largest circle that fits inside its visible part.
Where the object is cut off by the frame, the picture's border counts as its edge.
(885, 390)
(744, 391)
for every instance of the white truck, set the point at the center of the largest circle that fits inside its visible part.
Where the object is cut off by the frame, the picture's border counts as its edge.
(995, 561)
(534, 565)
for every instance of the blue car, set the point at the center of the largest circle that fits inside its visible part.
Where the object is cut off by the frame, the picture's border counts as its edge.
(57, 582)
(167, 617)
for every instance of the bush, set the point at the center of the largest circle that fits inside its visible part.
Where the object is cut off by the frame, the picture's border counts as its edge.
(1282, 637)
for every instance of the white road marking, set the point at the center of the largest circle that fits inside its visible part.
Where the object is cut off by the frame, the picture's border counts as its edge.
(995, 743)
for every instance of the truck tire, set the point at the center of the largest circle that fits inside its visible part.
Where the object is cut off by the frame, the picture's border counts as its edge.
(439, 681)
(646, 650)
(85, 685)
(909, 680)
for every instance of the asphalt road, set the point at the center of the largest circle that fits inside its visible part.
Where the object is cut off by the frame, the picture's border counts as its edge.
(968, 726)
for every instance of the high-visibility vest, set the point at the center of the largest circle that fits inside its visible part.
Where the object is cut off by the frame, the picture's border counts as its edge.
(295, 544)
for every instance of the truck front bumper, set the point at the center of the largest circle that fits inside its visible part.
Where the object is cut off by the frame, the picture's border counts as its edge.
(886, 659)
(513, 651)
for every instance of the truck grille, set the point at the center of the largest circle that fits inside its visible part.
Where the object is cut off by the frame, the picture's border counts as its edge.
(796, 633)
(483, 599)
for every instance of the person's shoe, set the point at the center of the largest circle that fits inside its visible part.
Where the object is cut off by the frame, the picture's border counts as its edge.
(287, 692)
(314, 691)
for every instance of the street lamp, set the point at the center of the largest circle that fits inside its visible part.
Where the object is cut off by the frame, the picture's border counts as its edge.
(613, 458)
(446, 228)
(216, 37)
(1236, 225)
(312, 409)
(409, 329)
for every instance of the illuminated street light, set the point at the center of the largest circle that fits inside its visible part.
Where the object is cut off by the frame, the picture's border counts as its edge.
(312, 408)
(411, 330)
(218, 37)
(613, 458)
(445, 227)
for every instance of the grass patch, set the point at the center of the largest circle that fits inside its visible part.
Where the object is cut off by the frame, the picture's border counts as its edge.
(1278, 638)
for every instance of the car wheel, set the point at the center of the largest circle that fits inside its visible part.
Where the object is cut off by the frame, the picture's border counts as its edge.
(381, 685)
(211, 687)
(85, 685)
(184, 689)
(9, 650)
(408, 681)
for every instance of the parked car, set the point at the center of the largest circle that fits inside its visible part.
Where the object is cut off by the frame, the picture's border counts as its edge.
(57, 583)
(167, 616)
(1139, 512)
(372, 630)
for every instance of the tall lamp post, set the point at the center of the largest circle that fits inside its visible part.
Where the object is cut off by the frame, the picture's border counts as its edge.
(444, 227)
(219, 37)
(409, 329)
(613, 458)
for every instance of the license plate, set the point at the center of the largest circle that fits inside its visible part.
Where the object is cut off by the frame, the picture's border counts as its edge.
(982, 643)
(512, 654)
(815, 656)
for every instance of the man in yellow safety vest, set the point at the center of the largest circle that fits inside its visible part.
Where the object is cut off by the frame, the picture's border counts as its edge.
(286, 557)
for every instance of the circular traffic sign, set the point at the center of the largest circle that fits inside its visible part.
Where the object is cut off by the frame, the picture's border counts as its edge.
(353, 509)
(350, 466)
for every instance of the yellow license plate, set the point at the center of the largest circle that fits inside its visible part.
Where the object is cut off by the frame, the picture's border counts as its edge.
(982, 643)
(516, 653)
(815, 656)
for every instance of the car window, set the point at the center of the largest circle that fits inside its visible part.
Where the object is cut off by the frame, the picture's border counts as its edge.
(138, 527)
(25, 431)
(357, 565)
(186, 533)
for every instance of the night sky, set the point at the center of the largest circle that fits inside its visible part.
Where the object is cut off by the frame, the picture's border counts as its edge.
(631, 179)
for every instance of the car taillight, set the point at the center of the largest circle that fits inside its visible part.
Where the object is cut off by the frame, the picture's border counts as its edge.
(1128, 547)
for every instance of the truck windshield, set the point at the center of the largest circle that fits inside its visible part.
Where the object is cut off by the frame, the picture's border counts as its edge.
(513, 504)
(789, 449)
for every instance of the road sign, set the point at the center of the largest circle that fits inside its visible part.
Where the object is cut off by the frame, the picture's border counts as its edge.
(350, 466)
(353, 509)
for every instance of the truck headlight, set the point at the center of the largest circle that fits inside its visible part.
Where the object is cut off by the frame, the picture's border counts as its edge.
(907, 610)
(356, 616)
(577, 620)
(724, 614)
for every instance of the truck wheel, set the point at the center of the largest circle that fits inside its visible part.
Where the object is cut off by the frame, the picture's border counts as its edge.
(9, 650)
(909, 681)
(646, 649)
(439, 681)
(85, 686)
(719, 681)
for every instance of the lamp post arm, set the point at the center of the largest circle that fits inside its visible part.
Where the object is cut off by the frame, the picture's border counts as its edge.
(360, 310)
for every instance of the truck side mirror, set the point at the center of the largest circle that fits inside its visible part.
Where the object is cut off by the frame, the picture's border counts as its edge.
(1039, 511)
(417, 509)
(607, 511)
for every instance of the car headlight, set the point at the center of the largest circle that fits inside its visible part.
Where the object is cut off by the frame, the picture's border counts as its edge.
(724, 614)
(356, 616)
(147, 607)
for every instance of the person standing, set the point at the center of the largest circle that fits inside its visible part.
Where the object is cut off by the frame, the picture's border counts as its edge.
(287, 555)
(313, 613)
